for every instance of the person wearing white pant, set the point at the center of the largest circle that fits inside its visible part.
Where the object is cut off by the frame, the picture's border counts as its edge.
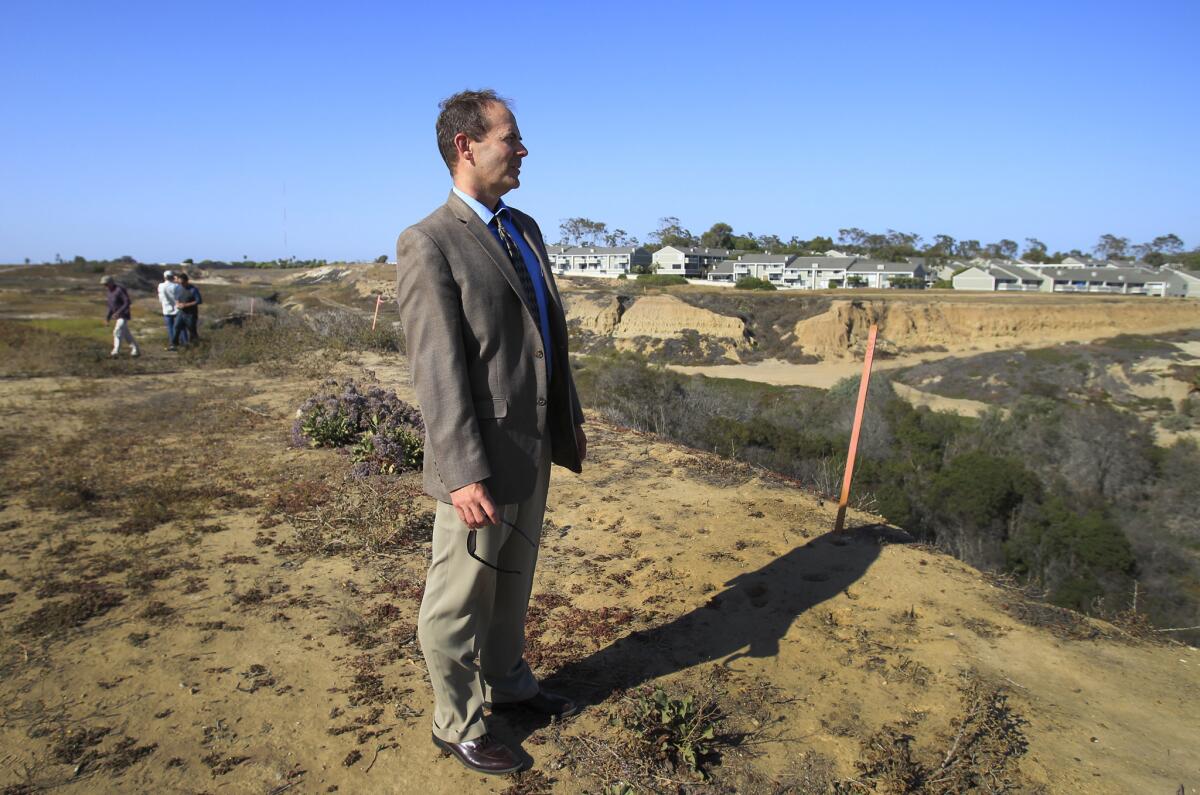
(121, 333)
(118, 308)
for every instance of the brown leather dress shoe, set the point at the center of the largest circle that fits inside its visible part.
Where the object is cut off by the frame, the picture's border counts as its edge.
(543, 703)
(484, 754)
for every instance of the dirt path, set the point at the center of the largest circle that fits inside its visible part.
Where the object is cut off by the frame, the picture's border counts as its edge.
(960, 406)
(781, 373)
(184, 609)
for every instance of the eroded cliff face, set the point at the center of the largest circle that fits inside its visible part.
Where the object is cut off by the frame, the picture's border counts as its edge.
(912, 326)
(665, 316)
(659, 317)
(595, 314)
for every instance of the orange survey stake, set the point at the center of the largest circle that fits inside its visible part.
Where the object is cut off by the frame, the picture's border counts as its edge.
(858, 418)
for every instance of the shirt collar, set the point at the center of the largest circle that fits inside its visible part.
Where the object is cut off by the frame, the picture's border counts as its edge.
(482, 210)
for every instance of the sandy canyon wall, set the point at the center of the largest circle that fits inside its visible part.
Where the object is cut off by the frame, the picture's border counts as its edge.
(908, 326)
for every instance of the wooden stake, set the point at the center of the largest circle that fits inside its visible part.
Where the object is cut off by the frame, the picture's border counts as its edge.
(251, 306)
(374, 320)
(854, 432)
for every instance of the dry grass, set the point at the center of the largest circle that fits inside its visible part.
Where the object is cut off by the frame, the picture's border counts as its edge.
(56, 617)
(979, 755)
(281, 341)
(377, 514)
(27, 350)
(1061, 622)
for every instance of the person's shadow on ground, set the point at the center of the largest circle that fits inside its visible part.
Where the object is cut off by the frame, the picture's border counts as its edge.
(745, 619)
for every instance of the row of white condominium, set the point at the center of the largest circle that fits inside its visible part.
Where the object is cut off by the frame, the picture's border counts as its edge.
(834, 269)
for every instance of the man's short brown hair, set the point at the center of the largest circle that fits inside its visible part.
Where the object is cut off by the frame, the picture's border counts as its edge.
(463, 113)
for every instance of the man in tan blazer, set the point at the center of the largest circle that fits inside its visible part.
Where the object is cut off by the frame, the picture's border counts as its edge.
(487, 344)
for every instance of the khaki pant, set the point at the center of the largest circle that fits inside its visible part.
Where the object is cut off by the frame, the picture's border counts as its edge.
(121, 333)
(472, 620)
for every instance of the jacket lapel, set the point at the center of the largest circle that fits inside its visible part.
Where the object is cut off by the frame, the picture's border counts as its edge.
(490, 244)
(536, 246)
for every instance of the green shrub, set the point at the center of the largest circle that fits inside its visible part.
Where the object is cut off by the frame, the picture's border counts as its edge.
(660, 279)
(751, 283)
(328, 428)
(394, 447)
(978, 489)
(1092, 542)
(1176, 422)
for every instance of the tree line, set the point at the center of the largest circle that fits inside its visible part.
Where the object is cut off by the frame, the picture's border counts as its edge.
(98, 265)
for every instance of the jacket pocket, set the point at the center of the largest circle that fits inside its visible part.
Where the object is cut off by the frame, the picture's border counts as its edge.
(492, 409)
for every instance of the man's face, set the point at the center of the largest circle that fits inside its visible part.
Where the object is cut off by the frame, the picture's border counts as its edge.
(496, 160)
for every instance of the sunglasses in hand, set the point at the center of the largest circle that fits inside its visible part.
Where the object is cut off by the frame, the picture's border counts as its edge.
(472, 540)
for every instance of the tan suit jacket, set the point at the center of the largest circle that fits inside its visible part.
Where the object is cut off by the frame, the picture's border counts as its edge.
(476, 355)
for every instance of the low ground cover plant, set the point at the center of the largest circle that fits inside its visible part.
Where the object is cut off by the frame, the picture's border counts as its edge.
(678, 731)
(383, 434)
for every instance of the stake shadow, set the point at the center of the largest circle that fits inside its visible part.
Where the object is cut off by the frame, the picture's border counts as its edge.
(745, 619)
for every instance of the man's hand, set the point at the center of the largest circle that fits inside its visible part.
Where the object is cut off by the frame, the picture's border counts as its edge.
(581, 442)
(474, 506)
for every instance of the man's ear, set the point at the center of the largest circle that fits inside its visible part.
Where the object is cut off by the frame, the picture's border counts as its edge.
(462, 144)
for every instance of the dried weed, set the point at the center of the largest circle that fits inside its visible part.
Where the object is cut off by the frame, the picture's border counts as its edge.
(979, 755)
(54, 618)
(376, 514)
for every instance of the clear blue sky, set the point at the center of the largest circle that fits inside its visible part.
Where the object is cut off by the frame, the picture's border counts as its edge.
(173, 130)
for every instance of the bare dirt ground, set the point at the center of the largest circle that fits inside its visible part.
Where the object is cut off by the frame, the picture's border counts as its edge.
(188, 604)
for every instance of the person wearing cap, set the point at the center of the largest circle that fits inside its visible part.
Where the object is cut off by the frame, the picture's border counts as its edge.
(168, 296)
(118, 309)
(188, 301)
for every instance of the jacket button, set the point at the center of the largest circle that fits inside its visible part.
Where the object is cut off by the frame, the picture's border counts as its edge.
(541, 401)
(539, 354)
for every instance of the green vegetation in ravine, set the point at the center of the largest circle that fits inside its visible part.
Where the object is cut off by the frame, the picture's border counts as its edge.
(1072, 498)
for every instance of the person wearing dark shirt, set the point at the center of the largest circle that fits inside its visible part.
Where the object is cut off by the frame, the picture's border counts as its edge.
(118, 309)
(188, 303)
